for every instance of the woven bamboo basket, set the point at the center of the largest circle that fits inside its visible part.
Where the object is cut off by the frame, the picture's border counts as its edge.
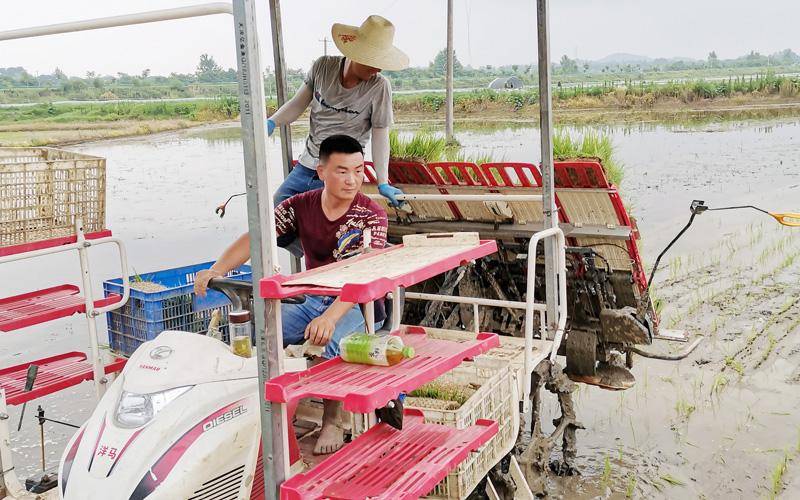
(44, 190)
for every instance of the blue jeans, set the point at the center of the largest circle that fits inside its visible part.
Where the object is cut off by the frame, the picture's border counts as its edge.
(296, 317)
(299, 180)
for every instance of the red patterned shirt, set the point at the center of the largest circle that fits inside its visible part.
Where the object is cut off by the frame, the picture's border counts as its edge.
(325, 241)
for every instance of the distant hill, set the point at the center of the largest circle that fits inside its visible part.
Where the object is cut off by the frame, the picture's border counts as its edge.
(622, 58)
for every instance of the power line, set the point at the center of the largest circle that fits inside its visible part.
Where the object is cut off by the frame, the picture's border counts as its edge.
(325, 44)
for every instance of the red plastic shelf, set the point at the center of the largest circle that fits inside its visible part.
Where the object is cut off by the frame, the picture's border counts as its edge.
(55, 373)
(53, 242)
(384, 463)
(273, 287)
(37, 307)
(363, 388)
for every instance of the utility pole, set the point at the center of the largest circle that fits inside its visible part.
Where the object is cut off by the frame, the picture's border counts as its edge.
(448, 128)
(548, 190)
(324, 44)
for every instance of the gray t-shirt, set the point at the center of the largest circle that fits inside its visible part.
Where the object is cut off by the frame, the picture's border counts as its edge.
(337, 110)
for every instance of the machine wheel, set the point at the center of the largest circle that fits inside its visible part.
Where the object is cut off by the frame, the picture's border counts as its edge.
(581, 352)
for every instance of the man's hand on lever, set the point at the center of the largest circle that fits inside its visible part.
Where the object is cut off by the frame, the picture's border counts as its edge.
(390, 192)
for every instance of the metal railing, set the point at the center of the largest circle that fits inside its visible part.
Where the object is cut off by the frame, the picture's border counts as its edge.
(463, 197)
(529, 306)
(206, 9)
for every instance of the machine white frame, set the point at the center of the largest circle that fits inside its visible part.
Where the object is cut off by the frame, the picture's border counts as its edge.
(8, 477)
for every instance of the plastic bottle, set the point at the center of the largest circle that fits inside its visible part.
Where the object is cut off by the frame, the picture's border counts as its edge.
(240, 333)
(383, 350)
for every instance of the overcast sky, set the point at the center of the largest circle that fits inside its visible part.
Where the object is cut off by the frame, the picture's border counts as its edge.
(493, 32)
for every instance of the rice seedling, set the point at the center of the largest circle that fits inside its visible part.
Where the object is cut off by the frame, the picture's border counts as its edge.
(674, 481)
(734, 364)
(696, 304)
(605, 478)
(630, 488)
(658, 302)
(456, 155)
(776, 476)
(422, 146)
(140, 284)
(720, 381)
(675, 268)
(590, 145)
(771, 343)
(444, 391)
(674, 321)
(684, 409)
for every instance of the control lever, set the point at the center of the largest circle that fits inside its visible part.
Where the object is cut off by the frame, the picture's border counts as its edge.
(30, 378)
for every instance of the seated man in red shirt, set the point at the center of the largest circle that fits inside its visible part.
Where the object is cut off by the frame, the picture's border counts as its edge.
(330, 223)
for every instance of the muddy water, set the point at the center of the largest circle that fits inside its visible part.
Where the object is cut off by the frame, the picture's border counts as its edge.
(691, 429)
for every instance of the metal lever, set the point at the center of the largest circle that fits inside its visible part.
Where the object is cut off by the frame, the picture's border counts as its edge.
(30, 378)
(220, 210)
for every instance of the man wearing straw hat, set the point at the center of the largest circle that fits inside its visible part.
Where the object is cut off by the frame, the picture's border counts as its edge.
(348, 96)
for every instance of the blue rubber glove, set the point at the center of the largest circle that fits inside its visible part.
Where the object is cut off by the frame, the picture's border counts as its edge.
(270, 127)
(389, 192)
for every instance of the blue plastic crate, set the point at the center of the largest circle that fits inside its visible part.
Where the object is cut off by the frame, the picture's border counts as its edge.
(147, 314)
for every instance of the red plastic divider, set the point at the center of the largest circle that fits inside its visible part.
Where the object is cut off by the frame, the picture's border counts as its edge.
(273, 287)
(459, 173)
(580, 174)
(412, 172)
(55, 373)
(40, 306)
(363, 388)
(370, 176)
(524, 172)
(385, 463)
(53, 242)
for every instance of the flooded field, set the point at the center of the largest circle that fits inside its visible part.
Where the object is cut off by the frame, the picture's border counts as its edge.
(723, 423)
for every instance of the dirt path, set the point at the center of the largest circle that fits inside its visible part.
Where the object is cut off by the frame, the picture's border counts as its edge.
(570, 112)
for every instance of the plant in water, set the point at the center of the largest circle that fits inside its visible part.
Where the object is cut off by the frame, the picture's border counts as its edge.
(771, 343)
(631, 487)
(720, 381)
(735, 364)
(590, 145)
(684, 409)
(776, 477)
(605, 479)
(674, 481)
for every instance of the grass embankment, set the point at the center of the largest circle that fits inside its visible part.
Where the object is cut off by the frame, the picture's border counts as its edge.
(639, 95)
(699, 101)
(49, 124)
(736, 98)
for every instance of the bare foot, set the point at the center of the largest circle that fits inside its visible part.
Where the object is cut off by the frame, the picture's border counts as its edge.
(330, 439)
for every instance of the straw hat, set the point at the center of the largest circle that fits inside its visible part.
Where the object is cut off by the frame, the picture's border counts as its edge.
(370, 44)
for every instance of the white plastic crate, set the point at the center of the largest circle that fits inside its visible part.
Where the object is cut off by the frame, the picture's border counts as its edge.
(511, 351)
(496, 399)
(44, 190)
